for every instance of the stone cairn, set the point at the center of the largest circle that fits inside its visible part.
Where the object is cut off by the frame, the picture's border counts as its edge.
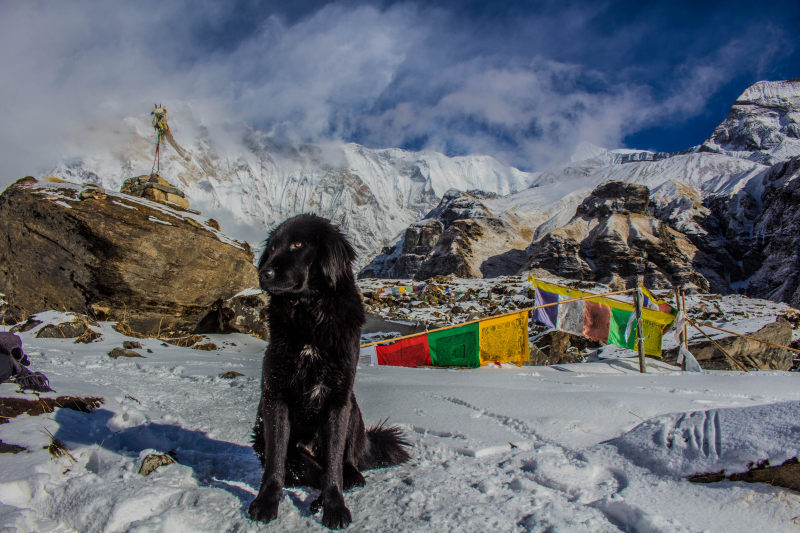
(154, 187)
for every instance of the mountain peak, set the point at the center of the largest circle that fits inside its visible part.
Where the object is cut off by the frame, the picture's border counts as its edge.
(763, 125)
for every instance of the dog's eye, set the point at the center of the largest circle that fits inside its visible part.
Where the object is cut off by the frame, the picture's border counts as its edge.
(297, 245)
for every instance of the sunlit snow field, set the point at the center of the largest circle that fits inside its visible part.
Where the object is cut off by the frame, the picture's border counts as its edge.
(585, 447)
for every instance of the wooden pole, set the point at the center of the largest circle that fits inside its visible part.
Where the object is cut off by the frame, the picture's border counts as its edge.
(685, 332)
(637, 297)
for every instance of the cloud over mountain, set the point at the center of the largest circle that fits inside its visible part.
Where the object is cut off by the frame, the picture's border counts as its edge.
(523, 83)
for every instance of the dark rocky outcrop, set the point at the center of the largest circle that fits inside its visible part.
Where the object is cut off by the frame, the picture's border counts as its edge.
(774, 256)
(460, 237)
(613, 238)
(137, 262)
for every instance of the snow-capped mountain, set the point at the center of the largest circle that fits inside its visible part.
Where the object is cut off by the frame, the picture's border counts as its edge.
(249, 182)
(712, 193)
(763, 124)
(724, 198)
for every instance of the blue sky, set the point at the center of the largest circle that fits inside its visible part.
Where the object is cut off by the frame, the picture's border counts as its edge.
(522, 81)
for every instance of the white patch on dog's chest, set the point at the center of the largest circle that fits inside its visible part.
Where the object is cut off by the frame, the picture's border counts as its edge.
(310, 352)
(317, 395)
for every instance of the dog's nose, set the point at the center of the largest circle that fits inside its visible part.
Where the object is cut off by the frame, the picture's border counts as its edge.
(269, 273)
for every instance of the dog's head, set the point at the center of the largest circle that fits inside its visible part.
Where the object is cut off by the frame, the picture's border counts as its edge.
(303, 252)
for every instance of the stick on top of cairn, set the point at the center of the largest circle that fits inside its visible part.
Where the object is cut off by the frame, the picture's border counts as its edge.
(153, 186)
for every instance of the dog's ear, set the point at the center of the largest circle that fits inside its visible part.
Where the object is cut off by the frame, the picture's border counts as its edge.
(336, 257)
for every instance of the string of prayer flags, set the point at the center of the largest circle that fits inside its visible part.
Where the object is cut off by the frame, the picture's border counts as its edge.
(400, 289)
(602, 319)
(502, 339)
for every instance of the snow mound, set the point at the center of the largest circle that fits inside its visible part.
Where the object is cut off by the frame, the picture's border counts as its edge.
(731, 439)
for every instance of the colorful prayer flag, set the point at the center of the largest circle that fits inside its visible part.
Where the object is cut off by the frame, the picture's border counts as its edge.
(651, 302)
(545, 315)
(504, 339)
(570, 317)
(596, 319)
(455, 346)
(622, 329)
(405, 352)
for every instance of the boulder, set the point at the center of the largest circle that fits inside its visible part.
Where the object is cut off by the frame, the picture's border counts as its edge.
(140, 263)
(245, 312)
(751, 353)
(559, 347)
(116, 353)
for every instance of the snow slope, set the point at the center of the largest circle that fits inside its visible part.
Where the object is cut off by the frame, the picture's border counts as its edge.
(589, 447)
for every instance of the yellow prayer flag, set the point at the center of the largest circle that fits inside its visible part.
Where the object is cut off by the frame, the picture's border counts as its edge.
(504, 339)
(652, 337)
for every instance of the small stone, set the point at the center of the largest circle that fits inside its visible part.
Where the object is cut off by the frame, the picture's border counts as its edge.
(65, 330)
(122, 352)
(208, 346)
(154, 461)
(230, 374)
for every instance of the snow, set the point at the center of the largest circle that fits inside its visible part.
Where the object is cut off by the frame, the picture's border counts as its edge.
(582, 447)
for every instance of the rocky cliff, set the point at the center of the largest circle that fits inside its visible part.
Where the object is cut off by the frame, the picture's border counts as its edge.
(613, 238)
(461, 236)
(114, 256)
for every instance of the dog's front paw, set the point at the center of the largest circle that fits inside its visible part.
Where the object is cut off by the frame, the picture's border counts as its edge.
(335, 513)
(264, 508)
(336, 517)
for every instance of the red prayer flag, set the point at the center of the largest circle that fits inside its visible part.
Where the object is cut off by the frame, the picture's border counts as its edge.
(405, 352)
(596, 319)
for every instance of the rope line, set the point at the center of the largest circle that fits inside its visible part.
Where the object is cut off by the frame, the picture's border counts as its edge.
(523, 310)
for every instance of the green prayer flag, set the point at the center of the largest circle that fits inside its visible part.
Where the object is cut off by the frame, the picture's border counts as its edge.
(455, 347)
(622, 322)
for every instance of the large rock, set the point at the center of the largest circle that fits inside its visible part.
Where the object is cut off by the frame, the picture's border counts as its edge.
(137, 261)
(245, 312)
(750, 353)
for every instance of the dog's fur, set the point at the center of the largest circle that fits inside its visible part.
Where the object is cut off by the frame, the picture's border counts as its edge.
(309, 430)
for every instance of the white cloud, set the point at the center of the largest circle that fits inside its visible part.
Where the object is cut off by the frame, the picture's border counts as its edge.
(388, 77)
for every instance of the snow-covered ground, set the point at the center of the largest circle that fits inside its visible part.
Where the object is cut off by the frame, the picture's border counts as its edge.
(588, 447)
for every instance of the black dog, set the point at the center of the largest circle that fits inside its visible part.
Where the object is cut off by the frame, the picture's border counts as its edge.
(309, 430)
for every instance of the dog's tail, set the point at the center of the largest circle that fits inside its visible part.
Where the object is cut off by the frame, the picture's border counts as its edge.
(386, 446)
